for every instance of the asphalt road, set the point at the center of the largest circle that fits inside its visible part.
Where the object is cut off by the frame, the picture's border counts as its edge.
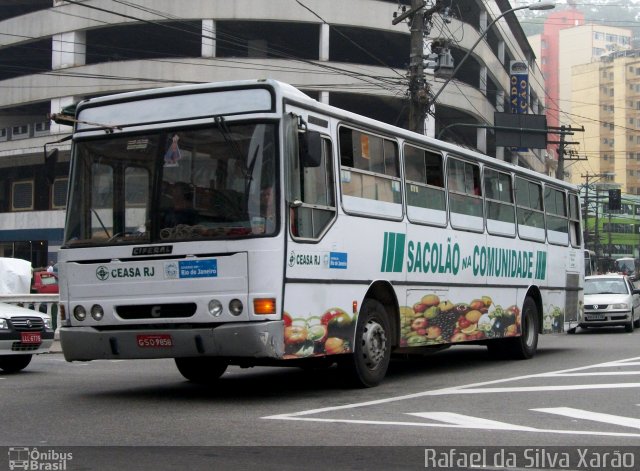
(579, 391)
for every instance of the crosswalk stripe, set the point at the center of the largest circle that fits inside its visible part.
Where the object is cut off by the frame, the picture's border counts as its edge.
(594, 416)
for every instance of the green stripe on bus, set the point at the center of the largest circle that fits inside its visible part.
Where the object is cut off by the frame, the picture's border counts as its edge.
(399, 252)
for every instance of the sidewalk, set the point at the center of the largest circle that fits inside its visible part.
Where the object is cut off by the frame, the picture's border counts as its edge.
(56, 347)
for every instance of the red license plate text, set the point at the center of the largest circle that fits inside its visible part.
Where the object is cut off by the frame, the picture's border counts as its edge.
(30, 337)
(154, 341)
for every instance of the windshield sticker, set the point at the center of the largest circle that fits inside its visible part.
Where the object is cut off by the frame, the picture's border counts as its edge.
(172, 155)
(138, 144)
(191, 269)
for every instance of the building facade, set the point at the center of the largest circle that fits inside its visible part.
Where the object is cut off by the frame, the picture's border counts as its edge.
(54, 53)
(567, 41)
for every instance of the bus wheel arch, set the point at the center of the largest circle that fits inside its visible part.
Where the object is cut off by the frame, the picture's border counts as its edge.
(383, 292)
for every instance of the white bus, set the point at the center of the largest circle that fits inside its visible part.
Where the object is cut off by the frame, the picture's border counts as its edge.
(245, 223)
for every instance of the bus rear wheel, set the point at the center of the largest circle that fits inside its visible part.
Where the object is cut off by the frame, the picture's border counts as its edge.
(368, 364)
(14, 363)
(201, 370)
(524, 346)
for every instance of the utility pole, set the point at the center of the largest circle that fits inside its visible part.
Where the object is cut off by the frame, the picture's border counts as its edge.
(596, 232)
(417, 91)
(418, 88)
(562, 146)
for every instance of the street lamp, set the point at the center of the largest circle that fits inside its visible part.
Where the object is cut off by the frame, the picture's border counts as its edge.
(542, 5)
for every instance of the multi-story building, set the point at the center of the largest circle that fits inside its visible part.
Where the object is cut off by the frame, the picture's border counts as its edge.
(54, 53)
(606, 101)
(566, 42)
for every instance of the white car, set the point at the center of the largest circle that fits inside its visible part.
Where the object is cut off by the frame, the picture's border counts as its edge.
(610, 300)
(23, 333)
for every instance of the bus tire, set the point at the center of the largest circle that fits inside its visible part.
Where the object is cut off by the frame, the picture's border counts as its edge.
(201, 370)
(367, 365)
(524, 346)
(14, 363)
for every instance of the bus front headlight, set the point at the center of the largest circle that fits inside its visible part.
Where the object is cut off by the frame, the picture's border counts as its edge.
(215, 307)
(235, 307)
(97, 312)
(80, 313)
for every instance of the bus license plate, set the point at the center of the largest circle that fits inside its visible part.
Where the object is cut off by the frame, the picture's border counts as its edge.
(30, 337)
(154, 341)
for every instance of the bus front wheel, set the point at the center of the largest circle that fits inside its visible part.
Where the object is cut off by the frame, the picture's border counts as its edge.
(524, 346)
(368, 364)
(201, 370)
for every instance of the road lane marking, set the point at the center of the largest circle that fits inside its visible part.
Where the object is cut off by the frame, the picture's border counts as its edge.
(594, 416)
(475, 388)
(567, 387)
(593, 433)
(469, 421)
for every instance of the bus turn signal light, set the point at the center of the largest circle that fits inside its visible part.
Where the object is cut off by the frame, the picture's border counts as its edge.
(264, 305)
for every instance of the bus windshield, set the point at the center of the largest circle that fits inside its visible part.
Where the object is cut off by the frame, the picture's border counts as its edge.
(179, 185)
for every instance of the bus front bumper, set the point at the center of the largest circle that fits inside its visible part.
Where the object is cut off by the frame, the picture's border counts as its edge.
(237, 340)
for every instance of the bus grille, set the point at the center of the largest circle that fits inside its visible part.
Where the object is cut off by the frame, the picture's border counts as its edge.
(27, 324)
(24, 347)
(156, 311)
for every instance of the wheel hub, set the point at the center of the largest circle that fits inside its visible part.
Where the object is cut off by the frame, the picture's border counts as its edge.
(374, 344)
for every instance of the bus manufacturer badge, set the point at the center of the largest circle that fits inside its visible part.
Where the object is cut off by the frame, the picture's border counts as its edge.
(157, 250)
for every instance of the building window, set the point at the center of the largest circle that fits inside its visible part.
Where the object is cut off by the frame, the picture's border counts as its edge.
(4, 134)
(22, 195)
(41, 128)
(20, 132)
(59, 193)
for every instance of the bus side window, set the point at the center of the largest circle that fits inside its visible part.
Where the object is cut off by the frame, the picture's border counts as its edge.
(575, 231)
(529, 212)
(369, 174)
(317, 208)
(555, 206)
(500, 208)
(424, 188)
(465, 201)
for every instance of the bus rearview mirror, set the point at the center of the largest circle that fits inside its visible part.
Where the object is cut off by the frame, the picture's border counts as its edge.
(310, 149)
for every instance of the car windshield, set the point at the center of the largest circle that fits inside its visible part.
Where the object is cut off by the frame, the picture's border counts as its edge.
(605, 286)
(215, 182)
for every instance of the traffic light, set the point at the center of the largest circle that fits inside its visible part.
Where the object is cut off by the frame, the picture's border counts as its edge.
(614, 200)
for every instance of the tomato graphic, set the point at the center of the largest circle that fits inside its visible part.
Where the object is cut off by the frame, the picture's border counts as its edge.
(294, 334)
(287, 319)
(335, 317)
(335, 345)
